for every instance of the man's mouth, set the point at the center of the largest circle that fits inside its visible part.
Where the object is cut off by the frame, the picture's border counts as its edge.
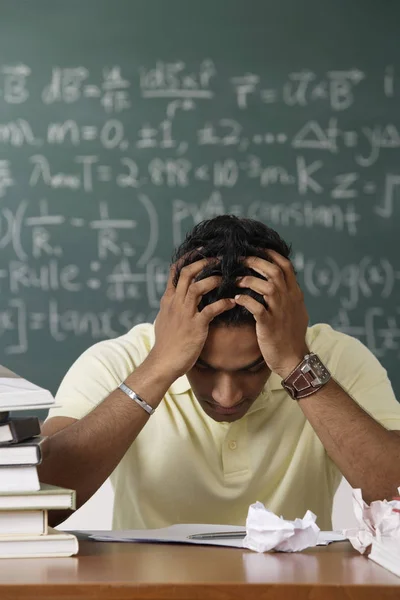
(222, 410)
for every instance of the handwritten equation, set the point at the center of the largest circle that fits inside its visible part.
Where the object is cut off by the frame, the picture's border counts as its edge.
(177, 80)
(19, 324)
(103, 171)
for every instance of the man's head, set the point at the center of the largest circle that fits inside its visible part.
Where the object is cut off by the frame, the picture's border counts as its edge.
(230, 372)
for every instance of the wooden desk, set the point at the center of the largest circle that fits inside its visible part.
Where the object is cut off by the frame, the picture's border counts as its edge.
(116, 571)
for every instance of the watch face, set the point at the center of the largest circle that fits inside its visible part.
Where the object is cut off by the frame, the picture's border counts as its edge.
(318, 368)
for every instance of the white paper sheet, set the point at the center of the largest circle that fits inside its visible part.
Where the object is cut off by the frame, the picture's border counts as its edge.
(179, 534)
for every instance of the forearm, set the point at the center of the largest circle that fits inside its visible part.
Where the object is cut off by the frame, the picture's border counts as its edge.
(82, 455)
(365, 452)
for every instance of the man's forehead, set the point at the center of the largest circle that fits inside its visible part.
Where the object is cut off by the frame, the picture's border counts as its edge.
(231, 348)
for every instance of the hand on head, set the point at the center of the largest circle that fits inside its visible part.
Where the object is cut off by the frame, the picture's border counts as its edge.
(181, 329)
(281, 329)
(232, 272)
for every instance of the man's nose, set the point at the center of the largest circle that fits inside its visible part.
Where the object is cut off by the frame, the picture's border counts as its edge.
(225, 392)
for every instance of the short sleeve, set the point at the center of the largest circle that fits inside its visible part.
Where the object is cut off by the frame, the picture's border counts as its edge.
(98, 372)
(360, 373)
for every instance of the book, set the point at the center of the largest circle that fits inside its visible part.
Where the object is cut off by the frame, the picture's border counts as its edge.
(19, 479)
(55, 543)
(48, 497)
(17, 393)
(25, 453)
(18, 429)
(23, 522)
(4, 416)
(386, 552)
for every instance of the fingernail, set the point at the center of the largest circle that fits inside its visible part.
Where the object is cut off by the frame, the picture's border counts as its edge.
(237, 296)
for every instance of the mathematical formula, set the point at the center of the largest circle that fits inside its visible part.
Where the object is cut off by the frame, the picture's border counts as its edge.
(122, 163)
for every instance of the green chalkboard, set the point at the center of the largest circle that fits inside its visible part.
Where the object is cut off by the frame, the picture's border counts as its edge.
(123, 123)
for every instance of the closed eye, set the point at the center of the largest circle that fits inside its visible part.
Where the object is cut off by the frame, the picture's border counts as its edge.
(254, 371)
(201, 367)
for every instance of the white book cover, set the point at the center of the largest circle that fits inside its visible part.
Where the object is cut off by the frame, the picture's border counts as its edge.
(19, 479)
(386, 553)
(23, 522)
(17, 393)
(49, 497)
(55, 543)
(25, 453)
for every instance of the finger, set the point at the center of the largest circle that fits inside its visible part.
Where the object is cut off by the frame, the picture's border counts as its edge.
(197, 289)
(267, 289)
(268, 270)
(286, 266)
(216, 308)
(189, 272)
(256, 308)
(175, 268)
(170, 288)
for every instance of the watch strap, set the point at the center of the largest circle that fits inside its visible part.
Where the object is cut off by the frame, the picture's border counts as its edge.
(303, 381)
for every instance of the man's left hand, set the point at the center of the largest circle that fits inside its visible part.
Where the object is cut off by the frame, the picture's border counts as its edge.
(281, 329)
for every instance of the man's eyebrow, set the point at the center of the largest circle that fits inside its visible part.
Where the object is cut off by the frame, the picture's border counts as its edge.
(251, 365)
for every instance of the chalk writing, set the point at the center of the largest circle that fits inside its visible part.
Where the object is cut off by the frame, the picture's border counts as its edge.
(103, 171)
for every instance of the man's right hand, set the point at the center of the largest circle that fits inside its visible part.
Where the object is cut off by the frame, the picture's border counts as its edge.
(104, 435)
(181, 330)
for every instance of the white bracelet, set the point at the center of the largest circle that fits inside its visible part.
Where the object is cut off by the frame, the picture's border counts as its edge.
(133, 395)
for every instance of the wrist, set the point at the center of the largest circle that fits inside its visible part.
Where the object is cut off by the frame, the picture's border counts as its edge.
(161, 368)
(291, 363)
(150, 381)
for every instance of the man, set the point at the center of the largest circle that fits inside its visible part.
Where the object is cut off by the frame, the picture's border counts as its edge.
(232, 328)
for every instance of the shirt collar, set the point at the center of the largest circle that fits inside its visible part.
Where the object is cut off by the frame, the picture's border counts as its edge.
(180, 385)
(265, 398)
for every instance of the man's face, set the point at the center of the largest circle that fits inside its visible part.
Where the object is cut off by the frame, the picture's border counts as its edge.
(230, 372)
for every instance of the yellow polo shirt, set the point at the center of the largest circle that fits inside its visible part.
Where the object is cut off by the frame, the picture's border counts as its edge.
(186, 468)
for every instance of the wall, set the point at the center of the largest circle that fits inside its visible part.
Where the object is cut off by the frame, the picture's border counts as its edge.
(97, 512)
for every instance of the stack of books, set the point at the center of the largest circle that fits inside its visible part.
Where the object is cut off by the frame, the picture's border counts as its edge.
(386, 552)
(24, 501)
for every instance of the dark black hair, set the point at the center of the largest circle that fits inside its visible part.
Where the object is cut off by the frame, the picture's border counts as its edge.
(230, 239)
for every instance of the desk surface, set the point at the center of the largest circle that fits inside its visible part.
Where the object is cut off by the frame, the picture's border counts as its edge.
(117, 571)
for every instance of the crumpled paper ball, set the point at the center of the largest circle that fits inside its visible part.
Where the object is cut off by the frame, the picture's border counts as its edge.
(266, 531)
(377, 521)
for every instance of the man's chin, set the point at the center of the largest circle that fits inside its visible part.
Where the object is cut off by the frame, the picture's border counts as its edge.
(225, 415)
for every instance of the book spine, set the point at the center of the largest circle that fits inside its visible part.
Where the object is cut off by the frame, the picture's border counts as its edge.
(4, 416)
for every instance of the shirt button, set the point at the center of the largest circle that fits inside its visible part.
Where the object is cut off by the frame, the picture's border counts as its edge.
(232, 445)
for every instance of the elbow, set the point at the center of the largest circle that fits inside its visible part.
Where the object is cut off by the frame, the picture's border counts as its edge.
(386, 492)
